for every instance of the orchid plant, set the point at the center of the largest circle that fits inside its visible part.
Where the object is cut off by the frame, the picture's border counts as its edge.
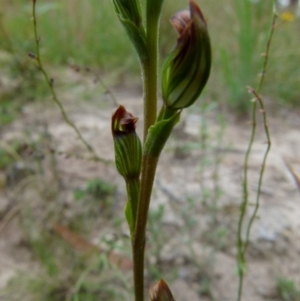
(185, 74)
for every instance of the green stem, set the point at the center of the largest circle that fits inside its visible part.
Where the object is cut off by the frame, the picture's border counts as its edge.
(150, 82)
(138, 240)
(150, 73)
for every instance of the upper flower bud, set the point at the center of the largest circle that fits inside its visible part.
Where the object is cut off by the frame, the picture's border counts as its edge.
(187, 68)
(128, 149)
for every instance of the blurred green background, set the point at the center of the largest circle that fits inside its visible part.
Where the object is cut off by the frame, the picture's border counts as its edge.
(87, 33)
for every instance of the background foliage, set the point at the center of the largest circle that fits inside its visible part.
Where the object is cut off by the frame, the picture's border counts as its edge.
(87, 33)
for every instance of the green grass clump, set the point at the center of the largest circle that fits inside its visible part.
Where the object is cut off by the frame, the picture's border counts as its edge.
(287, 290)
(97, 189)
(80, 32)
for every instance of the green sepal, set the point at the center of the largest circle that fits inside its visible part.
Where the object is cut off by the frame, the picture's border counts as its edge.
(187, 68)
(158, 135)
(182, 84)
(129, 217)
(128, 155)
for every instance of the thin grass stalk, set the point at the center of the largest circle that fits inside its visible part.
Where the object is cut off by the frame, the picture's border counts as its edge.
(240, 244)
(262, 170)
(49, 82)
(243, 245)
(266, 129)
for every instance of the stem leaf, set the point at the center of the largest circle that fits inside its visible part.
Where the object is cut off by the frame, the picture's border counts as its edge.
(137, 37)
(158, 135)
(129, 216)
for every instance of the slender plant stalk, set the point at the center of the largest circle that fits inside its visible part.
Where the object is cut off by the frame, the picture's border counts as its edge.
(150, 73)
(266, 128)
(10, 150)
(139, 239)
(242, 246)
(49, 82)
(150, 80)
(262, 170)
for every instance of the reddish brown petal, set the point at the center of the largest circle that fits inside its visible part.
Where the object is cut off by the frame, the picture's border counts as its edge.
(195, 10)
(123, 121)
(181, 20)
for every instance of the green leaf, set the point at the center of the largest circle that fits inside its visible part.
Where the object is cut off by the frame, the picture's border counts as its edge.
(129, 13)
(158, 135)
(129, 217)
(129, 10)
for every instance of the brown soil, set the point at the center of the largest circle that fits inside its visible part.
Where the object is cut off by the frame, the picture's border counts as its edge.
(206, 249)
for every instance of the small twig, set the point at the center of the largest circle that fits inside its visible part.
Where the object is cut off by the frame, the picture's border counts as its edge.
(266, 54)
(10, 215)
(10, 151)
(295, 175)
(105, 86)
(14, 209)
(50, 82)
(167, 191)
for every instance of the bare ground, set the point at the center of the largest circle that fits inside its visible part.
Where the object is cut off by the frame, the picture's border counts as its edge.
(201, 197)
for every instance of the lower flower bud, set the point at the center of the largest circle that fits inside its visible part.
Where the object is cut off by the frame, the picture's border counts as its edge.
(128, 148)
